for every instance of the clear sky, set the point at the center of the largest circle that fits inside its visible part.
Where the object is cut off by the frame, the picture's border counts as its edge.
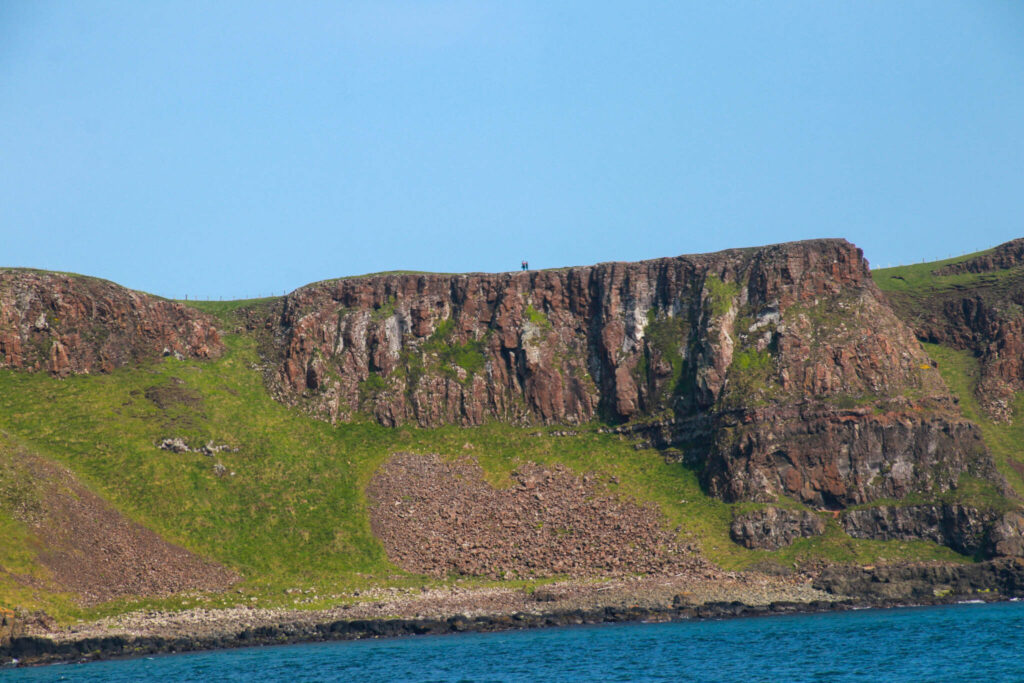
(234, 149)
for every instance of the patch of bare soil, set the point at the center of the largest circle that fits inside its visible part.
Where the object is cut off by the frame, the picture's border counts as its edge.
(436, 517)
(174, 393)
(93, 550)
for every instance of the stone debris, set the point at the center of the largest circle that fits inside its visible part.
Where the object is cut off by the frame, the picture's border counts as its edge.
(179, 445)
(437, 517)
(772, 528)
(89, 548)
(443, 602)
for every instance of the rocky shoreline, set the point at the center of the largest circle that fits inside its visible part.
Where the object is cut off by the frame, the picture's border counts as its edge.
(386, 614)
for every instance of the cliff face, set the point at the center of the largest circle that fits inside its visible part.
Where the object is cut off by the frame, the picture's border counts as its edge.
(780, 368)
(834, 458)
(69, 324)
(617, 340)
(983, 314)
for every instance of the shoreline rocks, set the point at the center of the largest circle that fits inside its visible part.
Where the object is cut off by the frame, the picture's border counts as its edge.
(655, 599)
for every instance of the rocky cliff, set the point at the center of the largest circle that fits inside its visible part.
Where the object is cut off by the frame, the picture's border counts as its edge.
(976, 304)
(781, 369)
(66, 324)
(1007, 255)
(778, 371)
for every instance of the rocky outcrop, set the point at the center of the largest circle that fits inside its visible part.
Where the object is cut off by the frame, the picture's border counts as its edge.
(986, 319)
(834, 458)
(963, 528)
(1007, 255)
(923, 582)
(771, 528)
(780, 369)
(983, 314)
(619, 340)
(8, 628)
(960, 527)
(69, 324)
(1006, 536)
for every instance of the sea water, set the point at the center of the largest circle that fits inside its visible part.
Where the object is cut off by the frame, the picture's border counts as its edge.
(955, 643)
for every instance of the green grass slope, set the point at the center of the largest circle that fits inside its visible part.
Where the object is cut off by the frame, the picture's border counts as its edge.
(288, 509)
(914, 290)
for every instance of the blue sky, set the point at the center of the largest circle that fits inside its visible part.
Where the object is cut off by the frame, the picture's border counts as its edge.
(235, 149)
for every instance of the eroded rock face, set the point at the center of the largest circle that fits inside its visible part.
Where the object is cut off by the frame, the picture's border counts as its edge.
(959, 527)
(66, 325)
(781, 369)
(1006, 536)
(835, 458)
(772, 528)
(617, 339)
(991, 325)
(985, 316)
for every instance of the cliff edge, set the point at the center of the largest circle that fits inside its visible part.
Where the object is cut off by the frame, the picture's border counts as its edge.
(780, 369)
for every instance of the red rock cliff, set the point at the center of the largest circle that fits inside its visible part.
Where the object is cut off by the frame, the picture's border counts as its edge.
(782, 367)
(67, 324)
(983, 314)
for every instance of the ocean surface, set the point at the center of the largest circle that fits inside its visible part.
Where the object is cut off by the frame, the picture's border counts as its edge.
(955, 643)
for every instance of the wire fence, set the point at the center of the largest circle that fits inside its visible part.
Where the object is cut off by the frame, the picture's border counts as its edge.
(931, 260)
(193, 297)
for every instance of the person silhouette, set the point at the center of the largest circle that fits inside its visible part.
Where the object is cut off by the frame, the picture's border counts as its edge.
(525, 264)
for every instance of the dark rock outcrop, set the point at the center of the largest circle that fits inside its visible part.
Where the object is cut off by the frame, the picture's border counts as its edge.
(834, 458)
(960, 527)
(923, 582)
(66, 324)
(772, 528)
(1006, 536)
(965, 529)
(8, 627)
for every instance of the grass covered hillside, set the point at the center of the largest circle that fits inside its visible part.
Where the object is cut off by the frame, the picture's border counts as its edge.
(284, 505)
(171, 477)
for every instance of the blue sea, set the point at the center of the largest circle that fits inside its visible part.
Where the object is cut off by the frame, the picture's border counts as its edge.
(956, 643)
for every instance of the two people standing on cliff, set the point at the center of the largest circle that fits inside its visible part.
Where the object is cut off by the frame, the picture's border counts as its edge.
(526, 264)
